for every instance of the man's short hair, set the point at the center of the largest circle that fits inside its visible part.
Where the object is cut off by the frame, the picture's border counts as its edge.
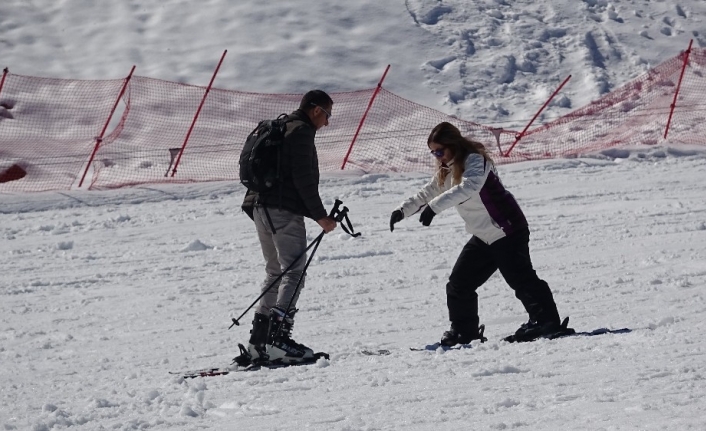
(315, 98)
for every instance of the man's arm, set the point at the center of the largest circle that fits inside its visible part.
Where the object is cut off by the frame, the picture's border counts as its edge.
(305, 170)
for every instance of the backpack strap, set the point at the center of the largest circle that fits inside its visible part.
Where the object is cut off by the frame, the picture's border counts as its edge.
(269, 220)
(286, 119)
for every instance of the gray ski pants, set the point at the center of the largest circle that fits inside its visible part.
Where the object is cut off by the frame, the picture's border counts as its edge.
(280, 249)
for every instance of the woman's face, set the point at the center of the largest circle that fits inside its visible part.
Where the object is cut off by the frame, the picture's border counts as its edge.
(443, 154)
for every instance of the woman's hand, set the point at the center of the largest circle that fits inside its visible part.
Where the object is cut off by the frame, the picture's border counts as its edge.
(427, 215)
(396, 217)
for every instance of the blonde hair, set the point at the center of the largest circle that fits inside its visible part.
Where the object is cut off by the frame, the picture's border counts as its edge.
(448, 136)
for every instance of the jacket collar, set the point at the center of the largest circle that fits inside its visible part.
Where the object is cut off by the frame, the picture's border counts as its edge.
(302, 116)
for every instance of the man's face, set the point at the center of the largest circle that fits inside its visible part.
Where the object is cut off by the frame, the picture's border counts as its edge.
(321, 116)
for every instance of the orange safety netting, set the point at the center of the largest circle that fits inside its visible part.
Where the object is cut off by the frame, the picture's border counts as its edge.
(634, 114)
(50, 128)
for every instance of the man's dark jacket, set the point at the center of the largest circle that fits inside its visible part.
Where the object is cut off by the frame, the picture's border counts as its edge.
(298, 189)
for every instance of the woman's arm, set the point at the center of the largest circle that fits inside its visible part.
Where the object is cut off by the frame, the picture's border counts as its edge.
(415, 203)
(474, 176)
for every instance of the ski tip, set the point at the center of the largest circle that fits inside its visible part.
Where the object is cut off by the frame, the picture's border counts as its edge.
(206, 372)
(319, 355)
(436, 346)
(510, 338)
(379, 352)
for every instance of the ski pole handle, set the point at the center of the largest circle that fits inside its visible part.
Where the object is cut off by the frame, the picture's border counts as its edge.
(341, 215)
(335, 210)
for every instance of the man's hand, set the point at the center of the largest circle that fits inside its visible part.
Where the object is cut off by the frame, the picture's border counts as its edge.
(327, 224)
(426, 216)
(396, 217)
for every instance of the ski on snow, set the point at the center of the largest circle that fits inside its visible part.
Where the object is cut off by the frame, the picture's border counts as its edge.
(379, 352)
(204, 372)
(564, 332)
(436, 346)
(222, 371)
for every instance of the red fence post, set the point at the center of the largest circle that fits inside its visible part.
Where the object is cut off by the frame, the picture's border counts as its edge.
(198, 111)
(518, 137)
(676, 93)
(5, 71)
(99, 138)
(365, 114)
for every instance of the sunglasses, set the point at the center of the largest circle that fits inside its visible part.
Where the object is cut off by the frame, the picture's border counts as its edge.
(328, 114)
(438, 153)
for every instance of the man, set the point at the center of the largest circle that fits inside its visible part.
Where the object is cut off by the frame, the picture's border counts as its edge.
(279, 219)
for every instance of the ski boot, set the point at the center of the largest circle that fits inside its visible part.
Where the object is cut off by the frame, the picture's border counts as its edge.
(459, 334)
(281, 348)
(256, 350)
(533, 330)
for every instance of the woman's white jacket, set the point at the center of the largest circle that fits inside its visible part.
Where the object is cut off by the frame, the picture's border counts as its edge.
(490, 211)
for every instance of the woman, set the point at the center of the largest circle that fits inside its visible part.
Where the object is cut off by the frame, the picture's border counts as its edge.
(467, 179)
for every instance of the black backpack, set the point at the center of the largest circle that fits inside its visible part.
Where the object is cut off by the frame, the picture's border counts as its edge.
(260, 158)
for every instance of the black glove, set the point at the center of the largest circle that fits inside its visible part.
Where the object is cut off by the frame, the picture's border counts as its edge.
(396, 217)
(426, 216)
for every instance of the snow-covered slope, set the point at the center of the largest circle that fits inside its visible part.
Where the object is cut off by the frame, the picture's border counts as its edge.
(105, 292)
(489, 61)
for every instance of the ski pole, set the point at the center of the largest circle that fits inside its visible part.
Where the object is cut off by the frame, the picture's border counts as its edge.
(236, 322)
(334, 212)
(296, 289)
(339, 217)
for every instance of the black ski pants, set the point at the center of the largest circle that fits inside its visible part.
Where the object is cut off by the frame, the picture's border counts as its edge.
(478, 261)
